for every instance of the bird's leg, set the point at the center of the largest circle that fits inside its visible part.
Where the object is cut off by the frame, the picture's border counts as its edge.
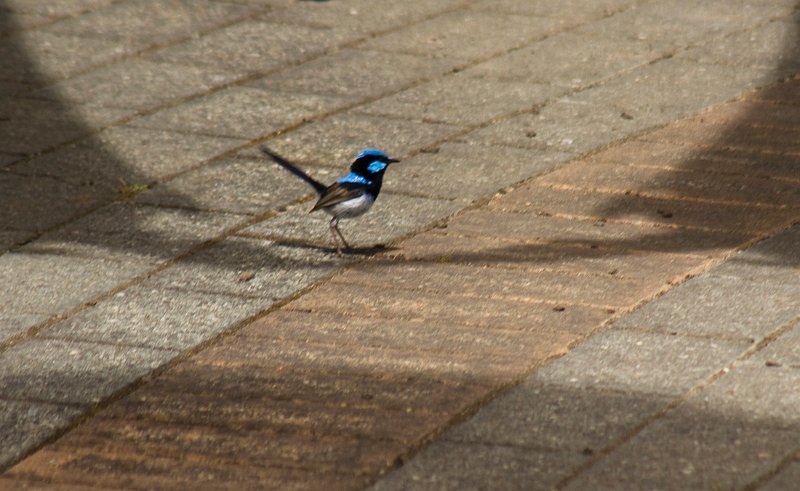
(334, 232)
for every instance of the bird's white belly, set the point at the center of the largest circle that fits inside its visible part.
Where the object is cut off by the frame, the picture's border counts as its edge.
(351, 208)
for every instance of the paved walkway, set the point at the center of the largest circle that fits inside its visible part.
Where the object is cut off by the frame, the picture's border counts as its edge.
(586, 278)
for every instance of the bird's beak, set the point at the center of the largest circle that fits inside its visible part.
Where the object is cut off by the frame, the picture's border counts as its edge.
(391, 161)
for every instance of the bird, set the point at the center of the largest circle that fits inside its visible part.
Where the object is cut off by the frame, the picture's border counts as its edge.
(348, 197)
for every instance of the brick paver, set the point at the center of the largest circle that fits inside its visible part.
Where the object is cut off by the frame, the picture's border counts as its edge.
(192, 354)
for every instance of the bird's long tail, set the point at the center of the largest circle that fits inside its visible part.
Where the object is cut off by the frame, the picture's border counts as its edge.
(318, 186)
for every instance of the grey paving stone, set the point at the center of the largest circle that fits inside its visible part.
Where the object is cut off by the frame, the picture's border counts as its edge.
(354, 73)
(44, 285)
(549, 414)
(691, 451)
(390, 218)
(241, 112)
(67, 372)
(252, 46)
(11, 238)
(134, 234)
(786, 478)
(30, 126)
(142, 23)
(466, 466)
(783, 351)
(13, 324)
(24, 425)
(771, 46)
(774, 261)
(566, 126)
(236, 185)
(359, 17)
(335, 141)
(642, 362)
(461, 35)
(671, 89)
(466, 172)
(252, 268)
(57, 56)
(8, 158)
(137, 84)
(23, 208)
(719, 306)
(723, 438)
(571, 11)
(156, 318)
(54, 9)
(125, 156)
(669, 27)
(567, 60)
(458, 99)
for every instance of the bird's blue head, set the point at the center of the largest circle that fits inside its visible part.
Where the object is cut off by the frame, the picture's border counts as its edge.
(371, 163)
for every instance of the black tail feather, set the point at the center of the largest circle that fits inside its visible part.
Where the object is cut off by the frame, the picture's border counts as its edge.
(318, 186)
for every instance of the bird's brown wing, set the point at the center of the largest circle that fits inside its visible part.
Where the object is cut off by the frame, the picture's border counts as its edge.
(338, 192)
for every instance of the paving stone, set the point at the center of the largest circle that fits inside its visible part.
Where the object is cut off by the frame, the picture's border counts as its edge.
(91, 469)
(359, 17)
(344, 73)
(124, 156)
(746, 137)
(30, 126)
(547, 415)
(24, 425)
(669, 27)
(252, 46)
(784, 479)
(138, 234)
(691, 87)
(23, 210)
(638, 209)
(224, 268)
(41, 285)
(14, 324)
(72, 372)
(54, 9)
(770, 45)
(392, 217)
(459, 99)
(495, 252)
(555, 231)
(156, 318)
(336, 140)
(56, 56)
(234, 185)
(497, 313)
(12, 238)
(719, 306)
(643, 362)
(735, 114)
(137, 84)
(570, 11)
(567, 59)
(466, 172)
(725, 437)
(609, 291)
(460, 35)
(774, 261)
(711, 156)
(143, 23)
(454, 466)
(241, 112)
(676, 184)
(785, 92)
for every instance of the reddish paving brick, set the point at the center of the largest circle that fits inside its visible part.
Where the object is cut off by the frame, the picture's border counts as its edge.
(675, 184)
(743, 136)
(440, 247)
(557, 232)
(702, 158)
(637, 209)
